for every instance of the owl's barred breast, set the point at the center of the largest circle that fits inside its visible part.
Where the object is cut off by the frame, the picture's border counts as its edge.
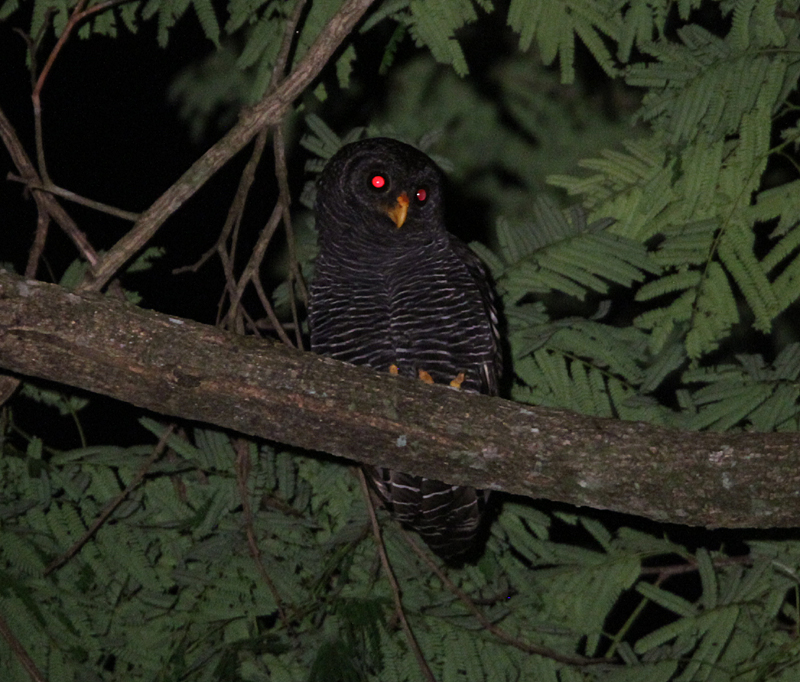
(419, 311)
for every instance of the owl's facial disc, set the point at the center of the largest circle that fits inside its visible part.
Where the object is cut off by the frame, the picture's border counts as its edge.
(396, 186)
(399, 210)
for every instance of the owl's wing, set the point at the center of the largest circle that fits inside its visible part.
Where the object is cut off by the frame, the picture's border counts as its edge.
(492, 369)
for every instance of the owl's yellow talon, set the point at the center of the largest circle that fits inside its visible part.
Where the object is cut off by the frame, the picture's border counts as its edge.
(393, 369)
(427, 378)
(456, 383)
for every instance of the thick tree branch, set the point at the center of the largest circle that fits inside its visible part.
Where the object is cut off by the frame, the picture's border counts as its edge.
(182, 368)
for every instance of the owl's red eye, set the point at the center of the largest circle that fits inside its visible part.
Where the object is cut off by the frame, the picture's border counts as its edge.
(421, 195)
(378, 181)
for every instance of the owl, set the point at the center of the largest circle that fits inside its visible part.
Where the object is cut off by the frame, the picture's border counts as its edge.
(395, 291)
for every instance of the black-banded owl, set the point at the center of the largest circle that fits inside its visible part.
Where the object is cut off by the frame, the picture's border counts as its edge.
(394, 290)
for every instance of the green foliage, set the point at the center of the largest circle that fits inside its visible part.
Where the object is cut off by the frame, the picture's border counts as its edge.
(65, 404)
(433, 24)
(767, 396)
(168, 588)
(557, 23)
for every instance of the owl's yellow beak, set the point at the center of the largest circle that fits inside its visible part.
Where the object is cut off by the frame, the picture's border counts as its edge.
(399, 210)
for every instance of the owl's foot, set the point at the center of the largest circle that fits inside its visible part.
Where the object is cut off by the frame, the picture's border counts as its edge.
(456, 383)
(427, 378)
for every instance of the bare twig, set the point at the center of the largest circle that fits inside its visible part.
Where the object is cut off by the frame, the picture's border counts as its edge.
(252, 269)
(527, 647)
(100, 520)
(33, 44)
(664, 572)
(284, 199)
(37, 90)
(37, 248)
(235, 214)
(19, 651)
(289, 30)
(617, 639)
(251, 274)
(273, 318)
(242, 476)
(30, 178)
(398, 602)
(77, 198)
(29, 175)
(77, 16)
(254, 262)
(45, 203)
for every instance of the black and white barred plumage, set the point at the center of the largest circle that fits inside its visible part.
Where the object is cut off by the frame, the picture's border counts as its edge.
(394, 290)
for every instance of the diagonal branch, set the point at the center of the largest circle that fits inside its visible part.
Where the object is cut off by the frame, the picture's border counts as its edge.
(46, 204)
(158, 450)
(265, 389)
(267, 112)
(20, 652)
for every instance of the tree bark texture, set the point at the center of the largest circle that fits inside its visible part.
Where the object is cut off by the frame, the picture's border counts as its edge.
(192, 371)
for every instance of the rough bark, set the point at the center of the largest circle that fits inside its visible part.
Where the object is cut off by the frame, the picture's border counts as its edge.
(184, 369)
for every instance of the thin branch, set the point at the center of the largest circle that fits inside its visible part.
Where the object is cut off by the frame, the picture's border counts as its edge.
(100, 520)
(254, 264)
(273, 318)
(30, 178)
(234, 218)
(233, 318)
(664, 572)
(387, 568)
(620, 635)
(102, 7)
(289, 32)
(279, 150)
(235, 212)
(37, 248)
(501, 634)
(19, 651)
(243, 467)
(284, 199)
(33, 44)
(77, 198)
(45, 203)
(251, 270)
(77, 16)
(37, 90)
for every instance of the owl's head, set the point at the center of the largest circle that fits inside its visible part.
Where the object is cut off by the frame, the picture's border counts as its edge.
(379, 189)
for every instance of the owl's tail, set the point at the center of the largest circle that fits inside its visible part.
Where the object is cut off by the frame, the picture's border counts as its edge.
(447, 517)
